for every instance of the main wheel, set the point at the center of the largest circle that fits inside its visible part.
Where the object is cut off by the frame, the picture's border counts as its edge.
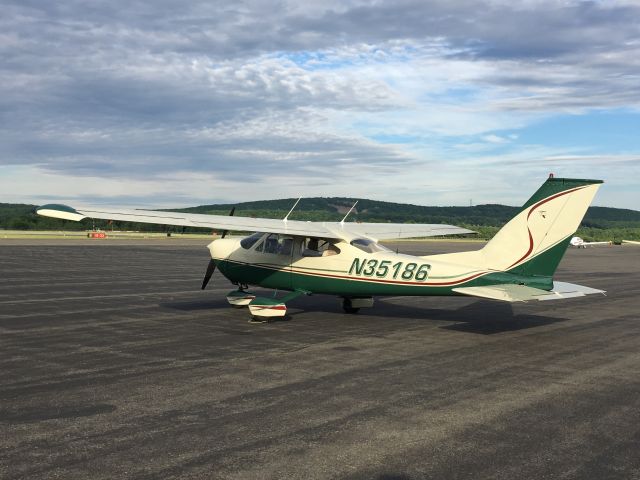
(346, 306)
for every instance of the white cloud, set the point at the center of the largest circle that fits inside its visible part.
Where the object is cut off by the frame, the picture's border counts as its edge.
(494, 139)
(361, 98)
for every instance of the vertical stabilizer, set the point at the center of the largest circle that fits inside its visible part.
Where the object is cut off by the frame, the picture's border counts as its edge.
(534, 241)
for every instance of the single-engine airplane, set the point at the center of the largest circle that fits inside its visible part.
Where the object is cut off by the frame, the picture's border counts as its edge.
(345, 259)
(578, 242)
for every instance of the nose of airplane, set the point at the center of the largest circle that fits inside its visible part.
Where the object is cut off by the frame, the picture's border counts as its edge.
(222, 247)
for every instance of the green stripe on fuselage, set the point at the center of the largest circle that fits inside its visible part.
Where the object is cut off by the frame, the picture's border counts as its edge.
(285, 279)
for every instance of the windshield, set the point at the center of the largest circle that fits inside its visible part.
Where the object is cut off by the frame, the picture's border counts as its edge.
(369, 246)
(250, 241)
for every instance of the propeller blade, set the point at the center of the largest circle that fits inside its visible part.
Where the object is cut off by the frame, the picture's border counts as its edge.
(207, 276)
(212, 263)
(224, 233)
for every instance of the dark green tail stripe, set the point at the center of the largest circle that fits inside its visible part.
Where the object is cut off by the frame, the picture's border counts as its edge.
(556, 185)
(545, 263)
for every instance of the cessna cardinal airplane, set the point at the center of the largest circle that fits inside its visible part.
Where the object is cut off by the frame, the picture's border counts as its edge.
(580, 243)
(346, 260)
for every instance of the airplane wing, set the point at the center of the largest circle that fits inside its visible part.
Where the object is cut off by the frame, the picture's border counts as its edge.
(333, 230)
(522, 293)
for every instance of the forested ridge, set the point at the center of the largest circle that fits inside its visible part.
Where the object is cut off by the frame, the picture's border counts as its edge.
(600, 223)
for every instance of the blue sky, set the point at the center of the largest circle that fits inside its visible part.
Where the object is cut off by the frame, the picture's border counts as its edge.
(598, 132)
(435, 103)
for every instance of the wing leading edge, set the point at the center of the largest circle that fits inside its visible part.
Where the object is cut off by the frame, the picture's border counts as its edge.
(334, 230)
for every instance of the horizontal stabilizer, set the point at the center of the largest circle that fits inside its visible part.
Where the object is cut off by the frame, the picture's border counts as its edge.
(522, 293)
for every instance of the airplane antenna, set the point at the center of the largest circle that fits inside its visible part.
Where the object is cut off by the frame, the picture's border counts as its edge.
(350, 210)
(294, 206)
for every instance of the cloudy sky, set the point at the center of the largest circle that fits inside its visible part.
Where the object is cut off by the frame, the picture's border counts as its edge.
(177, 103)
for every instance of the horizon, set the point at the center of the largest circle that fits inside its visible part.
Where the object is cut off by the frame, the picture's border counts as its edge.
(293, 199)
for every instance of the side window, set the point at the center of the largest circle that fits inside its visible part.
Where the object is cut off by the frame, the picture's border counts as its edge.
(271, 244)
(311, 247)
(330, 249)
(286, 246)
(277, 244)
(314, 247)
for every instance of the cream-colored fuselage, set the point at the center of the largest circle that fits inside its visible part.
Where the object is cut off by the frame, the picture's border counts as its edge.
(383, 271)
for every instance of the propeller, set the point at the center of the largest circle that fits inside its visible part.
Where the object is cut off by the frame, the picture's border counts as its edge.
(207, 276)
(212, 263)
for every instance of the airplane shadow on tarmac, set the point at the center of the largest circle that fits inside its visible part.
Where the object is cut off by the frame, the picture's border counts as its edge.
(195, 305)
(479, 317)
(487, 318)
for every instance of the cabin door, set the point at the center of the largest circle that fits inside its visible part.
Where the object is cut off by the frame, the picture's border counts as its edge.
(276, 253)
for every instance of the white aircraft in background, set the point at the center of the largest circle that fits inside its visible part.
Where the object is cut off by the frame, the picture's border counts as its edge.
(580, 243)
(631, 242)
(345, 259)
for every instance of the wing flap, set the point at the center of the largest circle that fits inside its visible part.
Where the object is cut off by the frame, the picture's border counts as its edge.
(522, 293)
(390, 231)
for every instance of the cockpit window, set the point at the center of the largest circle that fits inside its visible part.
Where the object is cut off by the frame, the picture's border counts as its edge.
(369, 246)
(250, 241)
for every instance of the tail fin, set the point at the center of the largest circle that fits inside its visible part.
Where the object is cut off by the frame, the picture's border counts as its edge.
(534, 241)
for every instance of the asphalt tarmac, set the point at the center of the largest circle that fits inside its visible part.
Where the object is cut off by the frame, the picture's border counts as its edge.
(113, 364)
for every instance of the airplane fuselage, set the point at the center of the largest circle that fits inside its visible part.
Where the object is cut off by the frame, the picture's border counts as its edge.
(354, 272)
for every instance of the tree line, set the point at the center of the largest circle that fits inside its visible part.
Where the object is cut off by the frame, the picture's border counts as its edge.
(600, 223)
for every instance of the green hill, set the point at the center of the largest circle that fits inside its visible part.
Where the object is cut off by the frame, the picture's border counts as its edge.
(600, 223)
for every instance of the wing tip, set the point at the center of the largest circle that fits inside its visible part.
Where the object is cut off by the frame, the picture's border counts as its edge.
(57, 210)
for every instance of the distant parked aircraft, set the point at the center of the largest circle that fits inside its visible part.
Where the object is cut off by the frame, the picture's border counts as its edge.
(631, 242)
(580, 243)
(346, 260)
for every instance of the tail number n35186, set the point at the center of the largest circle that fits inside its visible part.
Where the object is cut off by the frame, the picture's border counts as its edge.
(386, 268)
